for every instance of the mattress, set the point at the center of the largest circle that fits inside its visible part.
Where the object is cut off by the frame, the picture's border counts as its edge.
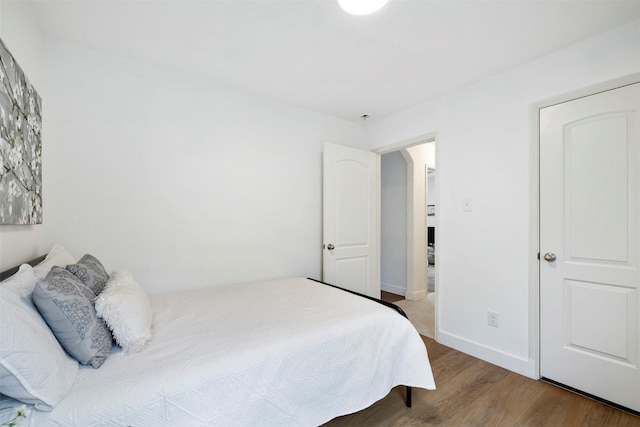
(287, 352)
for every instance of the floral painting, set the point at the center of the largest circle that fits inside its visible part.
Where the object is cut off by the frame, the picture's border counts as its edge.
(20, 145)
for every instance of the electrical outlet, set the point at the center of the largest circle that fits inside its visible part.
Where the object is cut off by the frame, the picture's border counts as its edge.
(493, 319)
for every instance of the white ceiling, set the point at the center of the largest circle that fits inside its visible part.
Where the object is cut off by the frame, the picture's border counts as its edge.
(313, 55)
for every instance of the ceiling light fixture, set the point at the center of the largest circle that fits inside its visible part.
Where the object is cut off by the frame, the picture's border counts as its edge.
(361, 7)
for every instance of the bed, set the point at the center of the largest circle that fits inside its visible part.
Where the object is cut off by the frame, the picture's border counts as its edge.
(292, 351)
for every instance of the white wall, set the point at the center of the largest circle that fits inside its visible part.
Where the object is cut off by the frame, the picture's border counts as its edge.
(181, 182)
(23, 39)
(393, 223)
(484, 152)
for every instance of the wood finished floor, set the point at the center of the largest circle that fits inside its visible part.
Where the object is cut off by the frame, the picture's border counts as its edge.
(471, 392)
(389, 297)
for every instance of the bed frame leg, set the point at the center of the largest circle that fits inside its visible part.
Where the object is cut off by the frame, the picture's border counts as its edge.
(408, 397)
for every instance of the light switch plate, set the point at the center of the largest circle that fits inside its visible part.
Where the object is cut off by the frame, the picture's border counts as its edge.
(467, 205)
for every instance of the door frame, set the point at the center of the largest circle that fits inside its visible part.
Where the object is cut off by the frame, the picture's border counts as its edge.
(398, 146)
(534, 202)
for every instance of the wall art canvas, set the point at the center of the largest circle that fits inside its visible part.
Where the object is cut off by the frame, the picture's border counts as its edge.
(20, 145)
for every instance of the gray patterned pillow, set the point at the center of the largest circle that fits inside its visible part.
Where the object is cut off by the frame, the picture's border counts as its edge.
(67, 307)
(90, 272)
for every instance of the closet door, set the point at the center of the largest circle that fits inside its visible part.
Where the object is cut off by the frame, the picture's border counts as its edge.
(589, 237)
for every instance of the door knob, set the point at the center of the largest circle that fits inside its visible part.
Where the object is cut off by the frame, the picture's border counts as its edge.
(550, 257)
(330, 246)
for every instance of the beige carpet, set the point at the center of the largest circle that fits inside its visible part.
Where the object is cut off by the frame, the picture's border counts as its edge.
(421, 314)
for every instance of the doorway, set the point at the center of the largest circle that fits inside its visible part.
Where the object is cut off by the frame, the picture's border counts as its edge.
(408, 229)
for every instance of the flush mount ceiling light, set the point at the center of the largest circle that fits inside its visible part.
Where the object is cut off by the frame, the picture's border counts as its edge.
(361, 7)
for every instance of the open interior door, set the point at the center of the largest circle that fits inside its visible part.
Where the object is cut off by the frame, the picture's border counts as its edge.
(351, 253)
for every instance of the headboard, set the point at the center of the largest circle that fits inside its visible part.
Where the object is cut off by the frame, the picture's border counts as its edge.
(11, 271)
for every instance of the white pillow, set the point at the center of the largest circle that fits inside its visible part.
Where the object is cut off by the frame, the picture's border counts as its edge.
(56, 256)
(33, 366)
(21, 282)
(125, 307)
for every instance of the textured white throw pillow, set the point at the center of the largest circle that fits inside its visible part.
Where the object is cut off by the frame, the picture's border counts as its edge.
(33, 366)
(125, 307)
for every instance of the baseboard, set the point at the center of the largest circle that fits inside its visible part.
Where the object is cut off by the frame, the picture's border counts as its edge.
(416, 296)
(500, 358)
(393, 289)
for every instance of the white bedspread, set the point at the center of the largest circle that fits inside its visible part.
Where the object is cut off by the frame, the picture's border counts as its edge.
(283, 352)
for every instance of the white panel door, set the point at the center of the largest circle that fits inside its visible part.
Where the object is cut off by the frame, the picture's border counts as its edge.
(350, 219)
(589, 237)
